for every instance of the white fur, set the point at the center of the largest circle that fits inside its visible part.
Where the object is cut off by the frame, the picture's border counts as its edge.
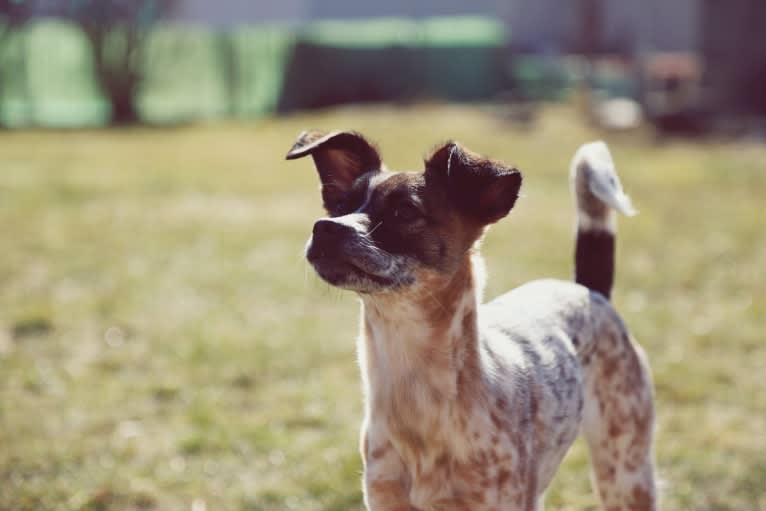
(603, 182)
(587, 222)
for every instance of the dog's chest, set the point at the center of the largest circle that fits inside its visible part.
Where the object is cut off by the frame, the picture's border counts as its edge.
(469, 421)
(485, 450)
(479, 459)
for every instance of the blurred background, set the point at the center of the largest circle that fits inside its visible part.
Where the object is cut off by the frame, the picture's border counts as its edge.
(164, 345)
(686, 65)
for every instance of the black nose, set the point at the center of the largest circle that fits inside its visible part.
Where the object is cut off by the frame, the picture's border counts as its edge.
(329, 231)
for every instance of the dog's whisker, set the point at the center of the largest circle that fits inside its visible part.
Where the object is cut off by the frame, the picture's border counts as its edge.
(433, 297)
(375, 228)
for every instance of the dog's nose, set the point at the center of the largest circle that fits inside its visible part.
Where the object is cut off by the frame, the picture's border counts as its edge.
(329, 231)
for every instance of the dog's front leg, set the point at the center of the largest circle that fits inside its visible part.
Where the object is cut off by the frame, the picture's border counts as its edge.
(386, 495)
(386, 486)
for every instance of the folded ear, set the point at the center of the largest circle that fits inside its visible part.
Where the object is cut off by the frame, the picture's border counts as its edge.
(340, 158)
(483, 189)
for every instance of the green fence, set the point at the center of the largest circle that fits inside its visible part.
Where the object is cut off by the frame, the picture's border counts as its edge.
(46, 74)
(47, 78)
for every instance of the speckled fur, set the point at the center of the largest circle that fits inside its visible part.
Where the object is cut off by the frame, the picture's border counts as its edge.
(470, 406)
(480, 416)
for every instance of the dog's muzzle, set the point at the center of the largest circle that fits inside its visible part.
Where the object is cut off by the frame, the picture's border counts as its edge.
(334, 247)
(343, 254)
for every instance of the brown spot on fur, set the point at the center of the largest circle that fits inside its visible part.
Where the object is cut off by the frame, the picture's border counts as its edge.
(497, 421)
(503, 477)
(610, 365)
(641, 500)
(605, 472)
(477, 497)
(435, 395)
(631, 465)
(410, 437)
(378, 453)
(388, 492)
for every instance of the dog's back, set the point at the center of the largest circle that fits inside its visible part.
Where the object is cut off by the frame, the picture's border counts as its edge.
(575, 352)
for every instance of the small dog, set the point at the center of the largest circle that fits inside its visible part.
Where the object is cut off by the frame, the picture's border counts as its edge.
(469, 406)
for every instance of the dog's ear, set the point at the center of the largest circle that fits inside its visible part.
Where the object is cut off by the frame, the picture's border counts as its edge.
(340, 158)
(480, 188)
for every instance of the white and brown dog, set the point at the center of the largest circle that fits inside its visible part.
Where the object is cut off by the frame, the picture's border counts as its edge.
(471, 406)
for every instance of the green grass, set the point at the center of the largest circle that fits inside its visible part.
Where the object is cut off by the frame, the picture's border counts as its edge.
(163, 345)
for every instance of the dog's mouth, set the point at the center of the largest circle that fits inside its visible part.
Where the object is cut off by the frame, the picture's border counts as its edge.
(347, 271)
(339, 272)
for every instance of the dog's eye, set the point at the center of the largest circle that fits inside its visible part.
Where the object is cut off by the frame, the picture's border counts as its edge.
(337, 208)
(342, 206)
(407, 212)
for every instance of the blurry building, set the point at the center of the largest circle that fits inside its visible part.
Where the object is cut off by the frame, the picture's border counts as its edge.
(535, 25)
(301, 11)
(733, 47)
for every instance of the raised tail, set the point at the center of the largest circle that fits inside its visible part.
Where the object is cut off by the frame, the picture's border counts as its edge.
(598, 193)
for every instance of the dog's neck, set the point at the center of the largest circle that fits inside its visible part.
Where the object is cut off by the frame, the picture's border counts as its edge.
(421, 345)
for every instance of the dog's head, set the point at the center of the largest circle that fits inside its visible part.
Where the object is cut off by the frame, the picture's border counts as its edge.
(385, 229)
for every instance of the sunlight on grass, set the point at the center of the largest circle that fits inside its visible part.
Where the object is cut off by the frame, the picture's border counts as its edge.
(162, 341)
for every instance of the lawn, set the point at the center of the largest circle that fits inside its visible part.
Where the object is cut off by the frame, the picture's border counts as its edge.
(164, 345)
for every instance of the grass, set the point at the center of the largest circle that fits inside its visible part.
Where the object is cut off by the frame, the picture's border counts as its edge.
(164, 346)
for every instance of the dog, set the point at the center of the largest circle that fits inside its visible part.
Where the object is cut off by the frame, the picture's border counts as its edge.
(469, 406)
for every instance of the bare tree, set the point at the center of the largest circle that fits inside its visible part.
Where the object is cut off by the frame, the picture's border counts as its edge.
(117, 31)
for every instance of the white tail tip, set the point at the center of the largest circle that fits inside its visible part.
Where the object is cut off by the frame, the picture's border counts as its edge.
(602, 179)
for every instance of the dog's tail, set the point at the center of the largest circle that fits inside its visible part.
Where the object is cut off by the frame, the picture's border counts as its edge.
(597, 192)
